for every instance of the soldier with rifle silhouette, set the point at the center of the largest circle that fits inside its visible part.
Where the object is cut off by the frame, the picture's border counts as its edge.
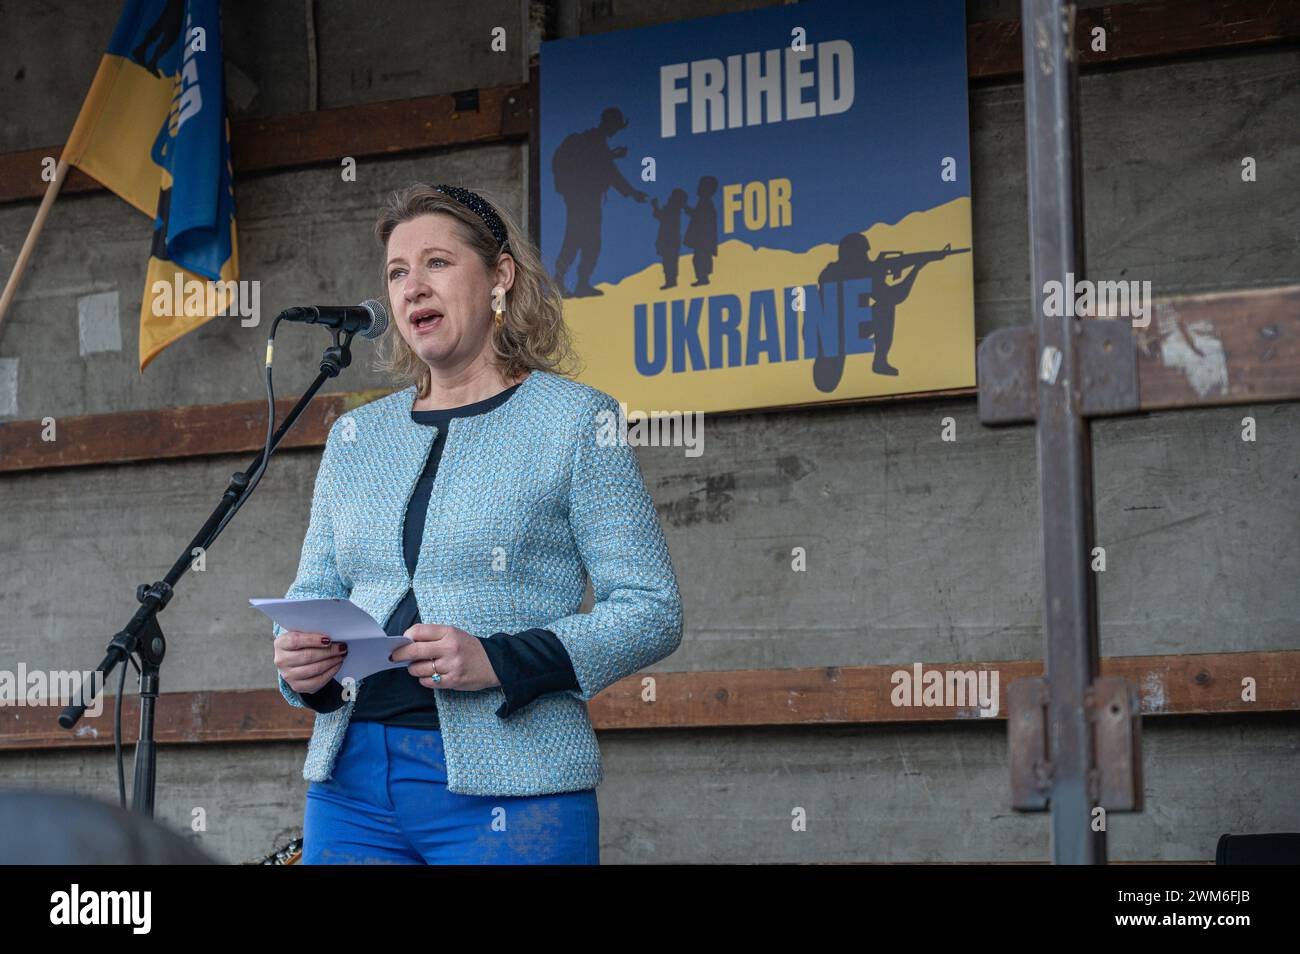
(854, 263)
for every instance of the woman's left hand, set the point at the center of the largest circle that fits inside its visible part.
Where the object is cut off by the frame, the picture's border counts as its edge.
(459, 657)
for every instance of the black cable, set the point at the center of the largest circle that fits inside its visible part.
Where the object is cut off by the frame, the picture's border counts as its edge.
(266, 452)
(117, 729)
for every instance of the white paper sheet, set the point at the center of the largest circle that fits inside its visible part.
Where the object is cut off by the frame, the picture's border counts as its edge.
(342, 621)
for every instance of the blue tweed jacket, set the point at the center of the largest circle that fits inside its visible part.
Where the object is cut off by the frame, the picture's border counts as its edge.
(526, 488)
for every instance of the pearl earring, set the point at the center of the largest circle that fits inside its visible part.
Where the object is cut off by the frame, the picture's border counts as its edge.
(498, 296)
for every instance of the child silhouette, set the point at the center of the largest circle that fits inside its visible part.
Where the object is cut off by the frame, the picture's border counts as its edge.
(702, 233)
(668, 243)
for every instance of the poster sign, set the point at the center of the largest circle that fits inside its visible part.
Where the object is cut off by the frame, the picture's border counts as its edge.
(763, 208)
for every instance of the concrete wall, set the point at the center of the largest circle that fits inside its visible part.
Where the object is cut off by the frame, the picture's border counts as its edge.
(918, 549)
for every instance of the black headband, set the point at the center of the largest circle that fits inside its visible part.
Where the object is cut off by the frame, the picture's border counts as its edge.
(484, 211)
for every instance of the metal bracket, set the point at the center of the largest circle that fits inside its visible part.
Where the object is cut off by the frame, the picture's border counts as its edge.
(1114, 708)
(1008, 393)
(1031, 772)
(1106, 352)
(1114, 712)
(1007, 363)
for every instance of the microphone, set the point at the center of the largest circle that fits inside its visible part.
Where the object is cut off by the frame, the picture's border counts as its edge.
(369, 319)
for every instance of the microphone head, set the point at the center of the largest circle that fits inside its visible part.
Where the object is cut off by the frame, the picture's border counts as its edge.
(378, 318)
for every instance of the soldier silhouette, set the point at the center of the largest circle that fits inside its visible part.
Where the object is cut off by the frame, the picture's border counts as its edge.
(668, 243)
(884, 299)
(702, 233)
(854, 263)
(584, 169)
(168, 28)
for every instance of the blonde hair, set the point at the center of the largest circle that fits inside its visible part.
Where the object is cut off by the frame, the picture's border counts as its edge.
(532, 334)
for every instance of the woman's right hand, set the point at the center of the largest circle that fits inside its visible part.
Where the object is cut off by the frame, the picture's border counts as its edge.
(307, 661)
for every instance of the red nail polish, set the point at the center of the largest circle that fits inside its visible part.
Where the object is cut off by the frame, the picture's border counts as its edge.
(324, 640)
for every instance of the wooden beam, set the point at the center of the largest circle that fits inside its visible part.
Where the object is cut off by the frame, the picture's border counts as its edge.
(1134, 33)
(168, 433)
(203, 430)
(1198, 351)
(1239, 347)
(1141, 31)
(1202, 684)
(473, 117)
(1170, 685)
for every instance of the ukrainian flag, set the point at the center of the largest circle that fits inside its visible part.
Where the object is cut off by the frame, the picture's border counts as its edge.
(153, 130)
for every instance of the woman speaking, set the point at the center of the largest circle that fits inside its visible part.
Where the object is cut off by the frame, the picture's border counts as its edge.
(464, 511)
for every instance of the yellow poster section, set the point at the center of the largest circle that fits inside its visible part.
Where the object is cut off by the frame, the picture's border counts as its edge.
(934, 338)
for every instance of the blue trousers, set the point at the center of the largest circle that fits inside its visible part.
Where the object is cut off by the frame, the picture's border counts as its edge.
(387, 803)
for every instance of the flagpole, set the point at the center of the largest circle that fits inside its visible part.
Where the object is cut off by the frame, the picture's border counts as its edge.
(25, 253)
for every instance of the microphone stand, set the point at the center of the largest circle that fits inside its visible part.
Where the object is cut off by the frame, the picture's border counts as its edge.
(142, 636)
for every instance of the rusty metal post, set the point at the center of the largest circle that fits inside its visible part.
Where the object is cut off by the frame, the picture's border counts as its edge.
(1072, 660)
